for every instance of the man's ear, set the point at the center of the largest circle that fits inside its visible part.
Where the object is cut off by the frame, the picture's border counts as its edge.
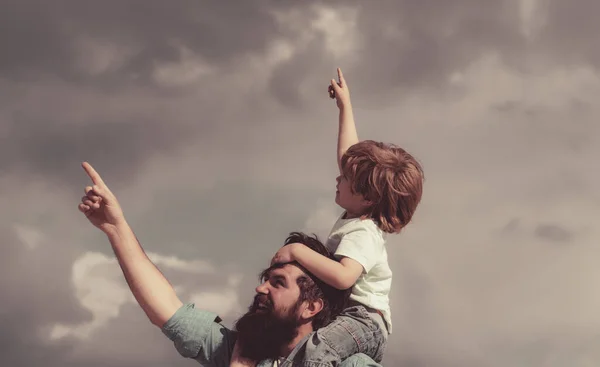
(311, 309)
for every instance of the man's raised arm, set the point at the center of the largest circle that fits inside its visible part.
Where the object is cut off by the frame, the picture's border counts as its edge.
(150, 288)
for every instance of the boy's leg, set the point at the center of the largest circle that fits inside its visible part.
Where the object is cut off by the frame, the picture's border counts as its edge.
(359, 360)
(354, 331)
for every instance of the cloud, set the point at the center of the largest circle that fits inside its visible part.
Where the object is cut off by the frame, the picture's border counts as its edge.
(212, 125)
(29, 236)
(553, 233)
(568, 32)
(224, 302)
(322, 218)
(100, 288)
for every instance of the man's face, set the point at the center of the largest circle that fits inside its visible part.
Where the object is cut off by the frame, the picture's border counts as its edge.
(272, 320)
(279, 292)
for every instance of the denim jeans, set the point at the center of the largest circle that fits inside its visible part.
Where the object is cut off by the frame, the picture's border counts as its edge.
(353, 331)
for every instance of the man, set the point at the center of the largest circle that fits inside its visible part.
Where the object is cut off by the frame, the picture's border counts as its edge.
(290, 303)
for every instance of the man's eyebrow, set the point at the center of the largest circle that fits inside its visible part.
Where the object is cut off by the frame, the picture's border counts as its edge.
(277, 276)
(275, 271)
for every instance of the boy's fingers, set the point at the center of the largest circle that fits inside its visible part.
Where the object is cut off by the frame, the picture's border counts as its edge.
(331, 92)
(335, 86)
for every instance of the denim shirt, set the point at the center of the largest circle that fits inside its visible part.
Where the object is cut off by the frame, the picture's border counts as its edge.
(199, 335)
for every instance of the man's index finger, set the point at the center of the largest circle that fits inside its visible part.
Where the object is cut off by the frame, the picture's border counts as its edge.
(91, 172)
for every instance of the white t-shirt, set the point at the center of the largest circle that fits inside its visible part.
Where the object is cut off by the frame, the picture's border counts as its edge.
(364, 242)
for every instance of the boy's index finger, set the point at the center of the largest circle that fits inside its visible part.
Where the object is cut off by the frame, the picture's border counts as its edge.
(341, 77)
(91, 172)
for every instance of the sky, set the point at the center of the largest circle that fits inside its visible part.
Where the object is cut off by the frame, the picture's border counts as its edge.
(211, 123)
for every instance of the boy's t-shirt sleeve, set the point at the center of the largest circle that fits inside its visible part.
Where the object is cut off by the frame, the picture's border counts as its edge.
(361, 245)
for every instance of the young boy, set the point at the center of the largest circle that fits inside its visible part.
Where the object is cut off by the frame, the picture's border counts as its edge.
(379, 188)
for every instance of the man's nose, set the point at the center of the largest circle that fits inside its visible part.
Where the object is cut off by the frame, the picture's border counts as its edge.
(262, 288)
(338, 178)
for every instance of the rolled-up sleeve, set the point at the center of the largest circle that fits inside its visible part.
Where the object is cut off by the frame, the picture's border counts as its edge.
(199, 335)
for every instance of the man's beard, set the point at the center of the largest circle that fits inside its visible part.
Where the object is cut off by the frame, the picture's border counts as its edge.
(262, 335)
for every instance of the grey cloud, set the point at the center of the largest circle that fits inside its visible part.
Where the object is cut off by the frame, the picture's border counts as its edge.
(228, 222)
(25, 284)
(571, 349)
(311, 66)
(238, 223)
(424, 56)
(517, 109)
(129, 341)
(553, 233)
(39, 38)
(409, 44)
(511, 227)
(548, 232)
(436, 38)
(35, 292)
(570, 32)
(55, 150)
(551, 349)
(406, 45)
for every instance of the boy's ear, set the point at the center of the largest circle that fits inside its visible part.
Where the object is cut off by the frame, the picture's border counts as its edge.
(367, 203)
(312, 308)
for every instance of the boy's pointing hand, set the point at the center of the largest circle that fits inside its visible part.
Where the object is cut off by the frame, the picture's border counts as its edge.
(339, 90)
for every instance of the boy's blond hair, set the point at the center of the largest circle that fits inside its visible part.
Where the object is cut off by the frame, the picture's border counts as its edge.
(389, 177)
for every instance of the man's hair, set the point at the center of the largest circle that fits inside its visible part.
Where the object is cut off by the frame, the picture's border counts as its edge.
(311, 287)
(389, 177)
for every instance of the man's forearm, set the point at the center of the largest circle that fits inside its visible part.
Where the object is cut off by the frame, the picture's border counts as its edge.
(150, 288)
(347, 135)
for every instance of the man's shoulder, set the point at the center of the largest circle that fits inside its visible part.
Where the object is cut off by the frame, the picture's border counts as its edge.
(199, 334)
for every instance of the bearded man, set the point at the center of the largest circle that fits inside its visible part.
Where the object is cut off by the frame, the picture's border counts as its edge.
(290, 303)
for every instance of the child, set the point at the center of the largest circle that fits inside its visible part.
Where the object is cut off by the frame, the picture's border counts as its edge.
(379, 188)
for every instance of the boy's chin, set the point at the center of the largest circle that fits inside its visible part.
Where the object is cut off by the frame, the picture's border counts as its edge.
(337, 201)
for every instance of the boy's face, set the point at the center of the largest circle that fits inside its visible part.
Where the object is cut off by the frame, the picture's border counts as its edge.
(354, 204)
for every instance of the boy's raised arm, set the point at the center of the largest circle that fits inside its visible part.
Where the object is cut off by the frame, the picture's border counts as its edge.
(347, 135)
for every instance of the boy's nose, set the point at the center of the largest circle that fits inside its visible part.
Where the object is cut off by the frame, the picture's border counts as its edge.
(338, 178)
